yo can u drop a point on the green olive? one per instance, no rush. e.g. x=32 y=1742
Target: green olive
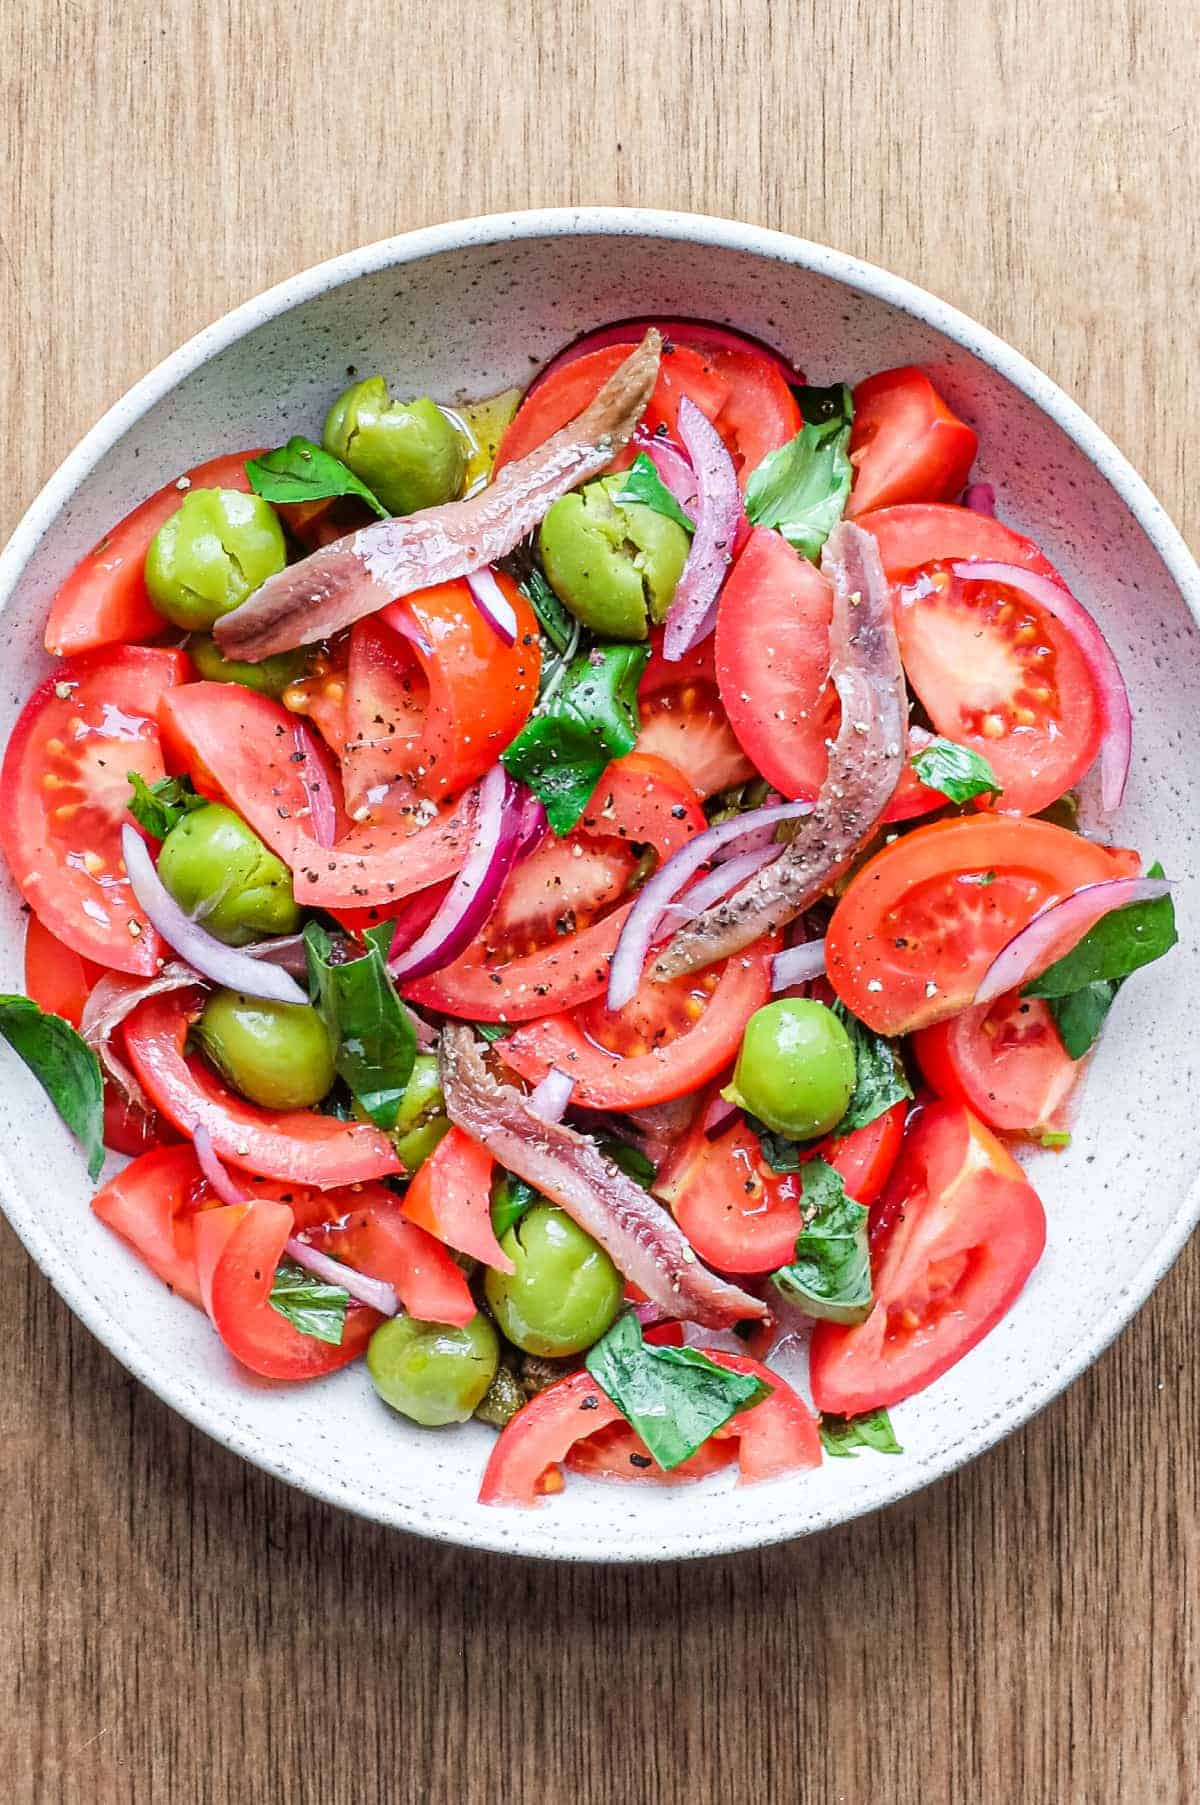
x=270 y=678
x=407 y=453
x=276 y=1054
x=219 y=871
x=216 y=549
x=613 y=564
x=565 y=1291
x=796 y=1068
x=431 y=1372
x=421 y=1121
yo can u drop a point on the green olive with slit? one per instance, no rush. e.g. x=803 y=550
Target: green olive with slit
x=276 y=1054
x=217 y=548
x=796 y=1068
x=219 y=872
x=565 y=1291
x=433 y=1372
x=613 y=563
x=270 y=678
x=407 y=452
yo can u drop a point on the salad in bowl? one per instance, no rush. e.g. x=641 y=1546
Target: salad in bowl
x=574 y=902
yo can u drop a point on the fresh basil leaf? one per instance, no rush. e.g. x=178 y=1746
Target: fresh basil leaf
x=158 y=807
x=309 y=1304
x=956 y=771
x=675 y=1397
x=830 y=1276
x=64 y=1065
x=781 y=1153
x=631 y=1160
x=802 y=488
x=842 y=1436
x=556 y=621
x=592 y=718
x=1119 y=944
x=493 y=1031
x=510 y=1199
x=1080 y=1016
x=372 y=1031
x=645 y=486
x=302 y=471
x=879 y=1076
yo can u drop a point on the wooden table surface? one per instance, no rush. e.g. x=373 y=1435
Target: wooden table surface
x=176 y=1627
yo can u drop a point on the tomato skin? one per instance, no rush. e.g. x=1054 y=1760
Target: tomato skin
x=104 y=600
x=865 y=1157
x=777 y=1436
x=524 y=1461
x=238 y=1248
x=65 y=789
x=152 y=1204
x=619 y=1453
x=906 y=445
x=684 y=720
x=375 y=1236
x=919 y=533
x=296 y=1146
x=738 y=1215
x=1003 y=1060
x=639 y=799
x=130 y=1129
x=915 y=931
x=772 y=662
x=450 y=1197
x=614 y=1079
x=56 y=977
x=965 y=1230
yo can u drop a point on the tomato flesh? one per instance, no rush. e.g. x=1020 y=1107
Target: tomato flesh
x=376 y=1237
x=738 y=1214
x=1005 y=1061
x=152 y=1204
x=906 y=445
x=450 y=1197
x=56 y=977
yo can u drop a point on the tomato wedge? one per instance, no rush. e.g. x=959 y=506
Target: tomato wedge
x=56 y=977
x=450 y=1197
x=913 y=935
x=966 y=1229
x=65 y=788
x=1005 y=1061
x=528 y=1453
x=906 y=444
x=685 y=722
x=548 y=945
x=104 y=601
x=375 y=1236
x=152 y=1205
x=238 y=1248
x=619 y=1453
x=298 y=1146
x=667 y=1041
x=772 y=655
x=864 y=1158
x=778 y=1436
x=738 y=1214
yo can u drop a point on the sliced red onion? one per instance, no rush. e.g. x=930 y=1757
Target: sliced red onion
x=718 y=511
x=1116 y=746
x=550 y=1098
x=980 y=498
x=375 y=1293
x=223 y=1185
x=675 y=472
x=473 y=894
x=110 y=1000
x=533 y=825
x=718 y=1116
x=1058 y=928
x=225 y=965
x=641 y=924
x=721 y=880
x=798 y=964
x=494 y=605
x=310 y=768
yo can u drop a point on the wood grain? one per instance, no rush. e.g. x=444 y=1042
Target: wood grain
x=175 y=1626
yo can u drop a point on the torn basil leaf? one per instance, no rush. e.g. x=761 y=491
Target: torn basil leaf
x=781 y=1153
x=879 y=1076
x=310 y=1304
x=510 y=1198
x=1080 y=988
x=675 y=1397
x=158 y=807
x=830 y=1276
x=64 y=1065
x=802 y=488
x=302 y=471
x=574 y=734
x=958 y=772
x=372 y=1032
x=556 y=622
x=843 y=1436
x=644 y=485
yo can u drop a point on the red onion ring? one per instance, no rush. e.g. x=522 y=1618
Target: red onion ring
x=222 y=1185
x=1116 y=746
x=224 y=965
x=675 y=473
x=641 y=924
x=798 y=964
x=533 y=824
x=980 y=498
x=1054 y=931
x=375 y=1293
x=549 y=1099
x=322 y=810
x=473 y=894
x=650 y=1314
x=718 y=512
x=493 y=604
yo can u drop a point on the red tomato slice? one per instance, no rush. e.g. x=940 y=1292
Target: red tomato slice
x=530 y=1449
x=1005 y=1061
x=152 y=1205
x=375 y=1236
x=238 y=1248
x=65 y=786
x=130 y=1129
x=864 y=1158
x=772 y=650
x=905 y=444
x=619 y=1453
x=104 y=600
x=548 y=946
x=450 y=1197
x=738 y=1214
x=966 y=1230
x=913 y=935
x=566 y=391
x=321 y=696
x=298 y=1146
x=778 y=1436
x=668 y=1040
x=684 y=721
x=56 y=977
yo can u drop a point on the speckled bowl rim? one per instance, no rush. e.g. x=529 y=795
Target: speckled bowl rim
x=692 y=1539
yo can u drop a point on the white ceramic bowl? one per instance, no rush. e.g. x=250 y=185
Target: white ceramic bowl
x=467 y=309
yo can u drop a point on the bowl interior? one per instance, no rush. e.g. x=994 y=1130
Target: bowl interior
x=467 y=319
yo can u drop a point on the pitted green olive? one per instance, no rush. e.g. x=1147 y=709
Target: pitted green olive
x=217 y=548
x=613 y=564
x=796 y=1068
x=276 y=1054
x=270 y=678
x=565 y=1291
x=430 y=1371
x=407 y=453
x=219 y=871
